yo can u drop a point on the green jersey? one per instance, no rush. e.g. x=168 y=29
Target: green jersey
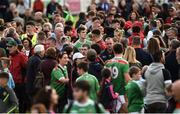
x=57 y=74
x=135 y=96
x=86 y=108
x=78 y=44
x=118 y=67
x=92 y=80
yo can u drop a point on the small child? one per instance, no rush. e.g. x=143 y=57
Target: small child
x=8 y=99
x=107 y=95
x=5 y=68
x=134 y=91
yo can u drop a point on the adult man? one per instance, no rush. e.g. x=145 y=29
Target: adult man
x=82 y=30
x=82 y=103
x=97 y=38
x=84 y=49
x=17 y=68
x=141 y=55
x=157 y=79
x=82 y=69
x=33 y=68
x=30 y=32
x=59 y=32
x=108 y=54
x=8 y=99
x=119 y=68
x=171 y=63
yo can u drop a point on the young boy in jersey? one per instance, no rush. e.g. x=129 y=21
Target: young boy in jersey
x=5 y=68
x=134 y=90
x=82 y=103
x=8 y=99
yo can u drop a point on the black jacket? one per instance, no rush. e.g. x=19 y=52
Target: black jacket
x=32 y=70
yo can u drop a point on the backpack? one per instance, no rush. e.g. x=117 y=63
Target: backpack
x=106 y=98
x=39 y=81
x=71 y=104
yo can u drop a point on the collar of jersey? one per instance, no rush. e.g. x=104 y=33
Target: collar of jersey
x=89 y=101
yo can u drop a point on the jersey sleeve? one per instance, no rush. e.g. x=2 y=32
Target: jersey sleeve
x=97 y=84
x=58 y=74
x=126 y=68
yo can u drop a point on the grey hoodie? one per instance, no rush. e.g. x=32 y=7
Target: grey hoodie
x=156 y=82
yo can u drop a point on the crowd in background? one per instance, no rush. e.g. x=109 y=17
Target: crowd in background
x=112 y=58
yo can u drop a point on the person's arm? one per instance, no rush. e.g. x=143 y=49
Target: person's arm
x=126 y=73
x=59 y=76
x=13 y=102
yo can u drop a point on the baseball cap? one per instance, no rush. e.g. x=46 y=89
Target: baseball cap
x=38 y=48
x=12 y=43
x=78 y=55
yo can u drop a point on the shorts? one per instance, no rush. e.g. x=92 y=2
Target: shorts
x=119 y=102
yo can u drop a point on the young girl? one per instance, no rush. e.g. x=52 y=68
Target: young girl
x=134 y=90
x=107 y=95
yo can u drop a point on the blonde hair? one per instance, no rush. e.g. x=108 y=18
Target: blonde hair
x=130 y=55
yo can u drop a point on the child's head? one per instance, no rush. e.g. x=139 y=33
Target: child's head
x=106 y=73
x=135 y=73
x=4 y=77
x=5 y=62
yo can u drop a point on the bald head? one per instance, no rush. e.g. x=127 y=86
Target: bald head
x=175 y=90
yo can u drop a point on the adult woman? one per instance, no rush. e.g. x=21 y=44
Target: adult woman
x=27 y=44
x=47 y=97
x=134 y=16
x=59 y=79
x=160 y=25
x=130 y=56
x=48 y=63
x=153 y=46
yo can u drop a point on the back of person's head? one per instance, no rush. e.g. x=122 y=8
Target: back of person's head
x=69 y=23
x=115 y=21
x=153 y=46
x=51 y=52
x=91 y=55
x=157 y=57
x=130 y=54
x=82 y=85
x=44 y=97
x=153 y=23
x=118 y=48
x=106 y=73
x=96 y=47
x=136 y=41
x=67 y=29
x=4 y=75
x=133 y=70
x=136 y=29
x=174 y=44
x=82 y=15
x=156 y=33
x=96 y=32
x=83 y=65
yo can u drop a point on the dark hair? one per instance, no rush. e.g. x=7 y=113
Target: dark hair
x=174 y=44
x=106 y=73
x=32 y=23
x=82 y=85
x=83 y=65
x=91 y=13
x=96 y=32
x=82 y=15
x=137 y=15
x=115 y=21
x=96 y=47
x=153 y=23
x=91 y=55
x=136 y=29
x=86 y=45
x=52 y=39
x=157 y=56
x=156 y=33
x=41 y=36
x=69 y=23
x=118 y=48
x=67 y=28
x=30 y=43
x=136 y=41
x=153 y=46
x=50 y=52
x=95 y=18
x=133 y=70
x=44 y=97
x=4 y=75
x=68 y=49
x=60 y=55
x=80 y=28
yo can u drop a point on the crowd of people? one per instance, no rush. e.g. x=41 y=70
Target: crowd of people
x=112 y=59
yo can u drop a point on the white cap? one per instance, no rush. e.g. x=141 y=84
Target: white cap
x=38 y=48
x=78 y=55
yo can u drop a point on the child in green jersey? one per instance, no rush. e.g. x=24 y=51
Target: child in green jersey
x=82 y=103
x=134 y=91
